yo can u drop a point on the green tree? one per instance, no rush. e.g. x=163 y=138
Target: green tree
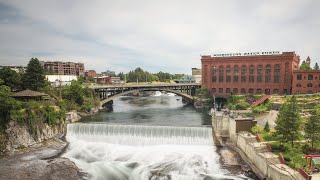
x=10 y=78
x=74 y=92
x=312 y=127
x=266 y=127
x=316 y=67
x=305 y=66
x=289 y=121
x=256 y=129
x=34 y=78
x=7 y=103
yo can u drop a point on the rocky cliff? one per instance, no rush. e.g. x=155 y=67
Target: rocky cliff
x=17 y=136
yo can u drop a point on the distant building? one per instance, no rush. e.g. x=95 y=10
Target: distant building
x=63 y=68
x=61 y=80
x=91 y=73
x=115 y=80
x=196 y=74
x=18 y=69
x=108 y=73
x=103 y=80
x=186 y=79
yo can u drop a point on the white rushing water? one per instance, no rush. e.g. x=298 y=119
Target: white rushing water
x=120 y=152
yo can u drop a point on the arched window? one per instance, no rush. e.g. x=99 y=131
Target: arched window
x=259 y=66
x=275 y=91
x=228 y=67
x=243 y=70
x=243 y=90
x=251 y=91
x=235 y=90
x=268 y=73
x=243 y=66
x=268 y=66
x=259 y=91
x=236 y=70
x=276 y=66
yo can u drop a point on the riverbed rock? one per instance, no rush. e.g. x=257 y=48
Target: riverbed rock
x=39 y=163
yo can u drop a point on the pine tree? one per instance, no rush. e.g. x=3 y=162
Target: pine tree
x=316 y=67
x=289 y=121
x=312 y=127
x=34 y=78
x=266 y=127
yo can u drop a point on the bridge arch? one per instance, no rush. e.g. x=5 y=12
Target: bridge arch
x=187 y=97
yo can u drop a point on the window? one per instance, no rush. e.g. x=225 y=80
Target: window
x=299 y=76
x=235 y=78
x=259 y=70
x=243 y=70
x=276 y=79
x=259 y=91
x=259 y=78
x=310 y=77
x=268 y=79
x=214 y=70
x=251 y=91
x=235 y=70
x=220 y=78
x=309 y=85
x=298 y=85
x=220 y=90
x=243 y=90
x=275 y=91
x=251 y=79
x=214 y=90
x=243 y=79
x=235 y=90
x=251 y=69
x=228 y=79
x=214 y=78
x=228 y=72
x=228 y=90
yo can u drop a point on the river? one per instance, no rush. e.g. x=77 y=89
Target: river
x=155 y=137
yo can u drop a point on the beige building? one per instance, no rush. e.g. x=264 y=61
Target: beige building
x=196 y=74
x=63 y=68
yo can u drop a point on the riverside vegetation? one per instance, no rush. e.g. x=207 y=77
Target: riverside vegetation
x=37 y=114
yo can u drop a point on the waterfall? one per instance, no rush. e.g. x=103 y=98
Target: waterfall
x=134 y=152
x=140 y=135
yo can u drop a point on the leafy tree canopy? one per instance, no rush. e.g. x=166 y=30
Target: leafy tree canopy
x=312 y=127
x=305 y=66
x=10 y=78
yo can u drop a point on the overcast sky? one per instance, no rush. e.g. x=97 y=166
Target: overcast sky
x=163 y=35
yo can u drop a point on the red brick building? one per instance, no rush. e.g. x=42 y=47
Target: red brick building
x=306 y=81
x=254 y=73
x=91 y=73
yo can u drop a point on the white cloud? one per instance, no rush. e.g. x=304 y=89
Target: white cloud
x=158 y=35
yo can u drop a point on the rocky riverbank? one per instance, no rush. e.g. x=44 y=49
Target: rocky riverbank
x=39 y=162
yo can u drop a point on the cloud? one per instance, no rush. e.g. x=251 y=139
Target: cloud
x=155 y=35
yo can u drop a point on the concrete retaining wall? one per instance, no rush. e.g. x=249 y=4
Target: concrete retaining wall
x=266 y=162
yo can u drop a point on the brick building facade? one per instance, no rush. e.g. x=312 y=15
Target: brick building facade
x=306 y=81
x=63 y=68
x=262 y=73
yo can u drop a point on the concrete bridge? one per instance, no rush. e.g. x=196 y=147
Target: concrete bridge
x=107 y=93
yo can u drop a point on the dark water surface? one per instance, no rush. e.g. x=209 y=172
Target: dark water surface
x=152 y=110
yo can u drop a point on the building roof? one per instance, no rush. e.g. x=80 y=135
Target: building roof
x=29 y=93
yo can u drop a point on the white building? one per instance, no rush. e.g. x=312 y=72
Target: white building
x=60 y=80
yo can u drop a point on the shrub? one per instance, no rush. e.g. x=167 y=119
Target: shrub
x=256 y=129
x=241 y=105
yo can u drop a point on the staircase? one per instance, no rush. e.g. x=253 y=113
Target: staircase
x=261 y=100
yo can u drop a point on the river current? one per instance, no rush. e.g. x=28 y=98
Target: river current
x=155 y=137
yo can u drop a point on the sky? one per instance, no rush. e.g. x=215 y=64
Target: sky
x=165 y=35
